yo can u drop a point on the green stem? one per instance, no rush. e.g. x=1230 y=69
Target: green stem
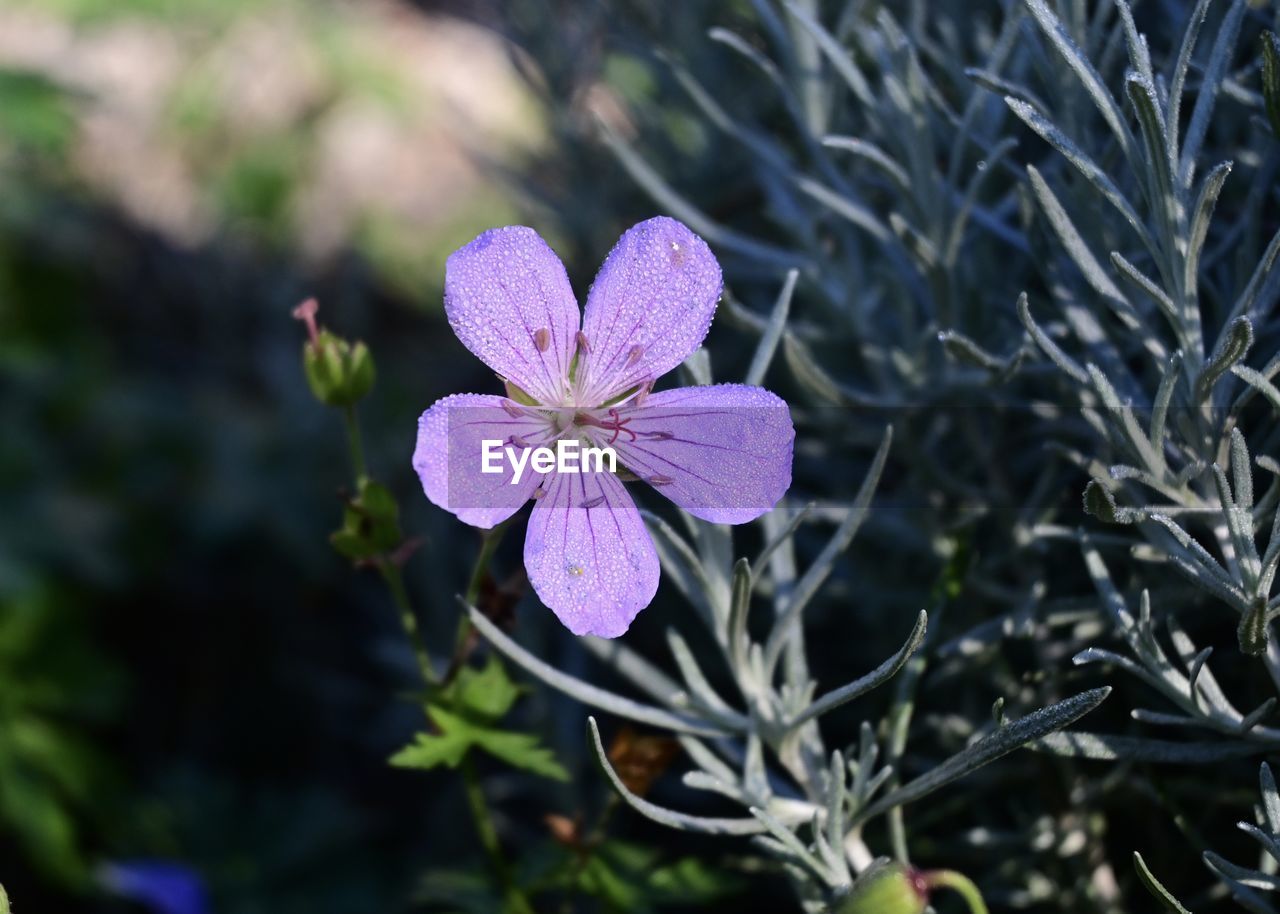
x=515 y=902
x=960 y=884
x=355 y=445
x=391 y=573
x=389 y=570
x=488 y=546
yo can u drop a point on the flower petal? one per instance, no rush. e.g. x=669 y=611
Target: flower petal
x=448 y=457
x=648 y=309
x=723 y=453
x=588 y=554
x=509 y=300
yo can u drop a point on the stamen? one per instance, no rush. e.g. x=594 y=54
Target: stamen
x=538 y=493
x=584 y=345
x=517 y=441
x=643 y=393
x=592 y=502
x=658 y=436
x=634 y=355
x=660 y=480
x=542 y=339
x=511 y=409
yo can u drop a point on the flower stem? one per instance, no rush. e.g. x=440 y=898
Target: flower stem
x=391 y=573
x=488 y=546
x=515 y=902
x=387 y=567
x=355 y=445
x=960 y=884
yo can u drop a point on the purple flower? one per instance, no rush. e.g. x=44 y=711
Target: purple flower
x=163 y=887
x=723 y=453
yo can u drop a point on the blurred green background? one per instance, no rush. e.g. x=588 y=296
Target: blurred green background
x=194 y=688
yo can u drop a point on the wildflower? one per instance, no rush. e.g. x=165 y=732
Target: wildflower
x=722 y=452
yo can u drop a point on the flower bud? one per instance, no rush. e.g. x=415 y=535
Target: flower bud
x=886 y=888
x=339 y=372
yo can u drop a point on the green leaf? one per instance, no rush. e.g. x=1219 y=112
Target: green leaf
x=457 y=735
x=465 y=715
x=487 y=693
x=4 y=901
x=431 y=750
x=370 y=523
x=1155 y=888
x=634 y=878
x=520 y=750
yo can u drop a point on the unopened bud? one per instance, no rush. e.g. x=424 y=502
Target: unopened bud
x=893 y=888
x=887 y=888
x=338 y=371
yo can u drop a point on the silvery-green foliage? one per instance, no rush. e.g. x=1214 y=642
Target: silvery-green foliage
x=1251 y=886
x=805 y=802
x=1041 y=236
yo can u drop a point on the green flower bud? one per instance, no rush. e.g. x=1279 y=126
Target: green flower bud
x=886 y=888
x=339 y=372
x=4 y=901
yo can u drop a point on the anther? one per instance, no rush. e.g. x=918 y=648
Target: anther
x=538 y=493
x=634 y=355
x=511 y=409
x=592 y=502
x=660 y=480
x=584 y=346
x=658 y=436
x=517 y=441
x=542 y=339
x=643 y=393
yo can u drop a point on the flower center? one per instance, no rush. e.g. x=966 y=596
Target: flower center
x=611 y=422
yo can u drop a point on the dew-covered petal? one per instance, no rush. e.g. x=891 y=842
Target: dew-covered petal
x=649 y=308
x=723 y=453
x=449 y=451
x=588 y=554
x=509 y=301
